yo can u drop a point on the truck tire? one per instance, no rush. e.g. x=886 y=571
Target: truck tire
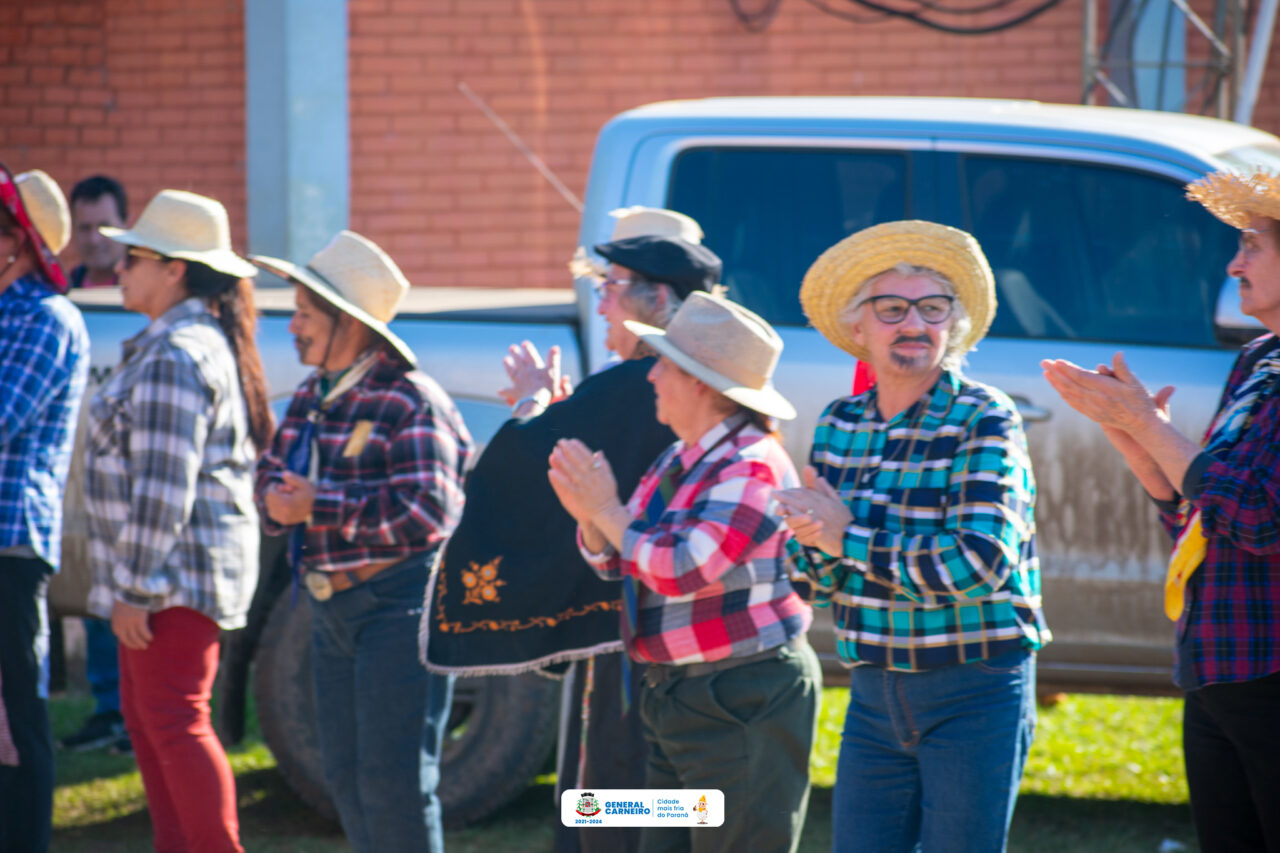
x=501 y=730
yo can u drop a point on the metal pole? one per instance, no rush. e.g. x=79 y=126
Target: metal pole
x=1259 y=47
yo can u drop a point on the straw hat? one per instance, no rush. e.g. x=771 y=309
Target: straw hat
x=37 y=204
x=839 y=271
x=1234 y=197
x=638 y=221
x=179 y=224
x=725 y=346
x=355 y=276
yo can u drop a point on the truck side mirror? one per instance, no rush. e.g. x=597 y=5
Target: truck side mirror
x=1231 y=325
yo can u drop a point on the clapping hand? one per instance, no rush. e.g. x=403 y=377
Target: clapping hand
x=529 y=374
x=816 y=514
x=582 y=480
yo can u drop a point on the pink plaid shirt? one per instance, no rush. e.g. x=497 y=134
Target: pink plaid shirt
x=712 y=571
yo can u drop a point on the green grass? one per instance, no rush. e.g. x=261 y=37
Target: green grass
x=1105 y=776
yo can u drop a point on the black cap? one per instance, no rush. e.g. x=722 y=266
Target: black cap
x=670 y=260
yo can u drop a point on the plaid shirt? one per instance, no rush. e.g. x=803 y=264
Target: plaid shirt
x=939 y=563
x=169 y=474
x=393 y=490
x=712 y=571
x=44 y=363
x=1230 y=628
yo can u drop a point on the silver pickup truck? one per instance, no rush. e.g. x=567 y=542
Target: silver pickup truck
x=1094 y=248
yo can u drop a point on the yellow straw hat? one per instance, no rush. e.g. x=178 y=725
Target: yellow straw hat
x=1234 y=197
x=839 y=271
x=47 y=207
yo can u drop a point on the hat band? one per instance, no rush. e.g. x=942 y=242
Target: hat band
x=716 y=360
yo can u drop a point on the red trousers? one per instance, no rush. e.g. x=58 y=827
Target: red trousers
x=164 y=695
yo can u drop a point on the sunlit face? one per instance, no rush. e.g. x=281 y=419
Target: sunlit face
x=149 y=283
x=312 y=328
x=912 y=347
x=675 y=393
x=615 y=308
x=1257 y=265
x=100 y=254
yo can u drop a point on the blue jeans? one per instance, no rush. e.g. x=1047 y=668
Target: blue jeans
x=932 y=760
x=101 y=666
x=380 y=716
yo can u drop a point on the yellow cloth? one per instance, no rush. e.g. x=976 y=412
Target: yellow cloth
x=1188 y=554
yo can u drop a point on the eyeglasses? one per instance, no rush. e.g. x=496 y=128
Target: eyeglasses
x=602 y=286
x=893 y=309
x=138 y=252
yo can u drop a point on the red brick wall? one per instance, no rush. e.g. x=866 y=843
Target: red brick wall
x=150 y=92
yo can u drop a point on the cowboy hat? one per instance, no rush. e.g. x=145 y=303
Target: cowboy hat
x=838 y=272
x=187 y=226
x=1234 y=197
x=40 y=209
x=725 y=346
x=355 y=276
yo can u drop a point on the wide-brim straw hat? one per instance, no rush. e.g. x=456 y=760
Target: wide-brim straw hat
x=725 y=346
x=40 y=209
x=355 y=276
x=1235 y=197
x=184 y=225
x=638 y=221
x=839 y=271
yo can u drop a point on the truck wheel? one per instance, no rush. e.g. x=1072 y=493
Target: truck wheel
x=501 y=729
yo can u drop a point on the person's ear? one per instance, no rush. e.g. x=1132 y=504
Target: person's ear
x=176 y=270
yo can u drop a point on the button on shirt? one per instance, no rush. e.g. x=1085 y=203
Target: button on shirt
x=712 y=571
x=392 y=453
x=44 y=363
x=939 y=564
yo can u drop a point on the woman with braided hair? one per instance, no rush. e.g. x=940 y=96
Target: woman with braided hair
x=173 y=531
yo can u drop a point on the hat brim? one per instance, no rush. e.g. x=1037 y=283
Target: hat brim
x=222 y=260
x=765 y=400
x=46 y=258
x=837 y=274
x=326 y=291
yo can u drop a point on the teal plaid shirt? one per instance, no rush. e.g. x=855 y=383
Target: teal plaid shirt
x=939 y=564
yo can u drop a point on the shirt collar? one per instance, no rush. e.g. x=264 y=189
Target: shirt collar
x=691 y=453
x=192 y=306
x=936 y=401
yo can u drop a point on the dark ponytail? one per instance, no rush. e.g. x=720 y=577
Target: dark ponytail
x=230 y=299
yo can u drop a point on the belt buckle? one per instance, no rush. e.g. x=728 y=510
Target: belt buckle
x=656 y=674
x=319 y=585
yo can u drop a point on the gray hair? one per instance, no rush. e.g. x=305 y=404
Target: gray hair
x=644 y=299
x=851 y=314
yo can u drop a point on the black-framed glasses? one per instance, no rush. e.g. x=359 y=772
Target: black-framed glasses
x=134 y=252
x=892 y=309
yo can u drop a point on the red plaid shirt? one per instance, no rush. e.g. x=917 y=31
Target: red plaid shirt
x=392 y=450
x=712 y=570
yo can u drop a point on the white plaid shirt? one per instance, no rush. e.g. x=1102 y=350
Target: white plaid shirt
x=169 y=475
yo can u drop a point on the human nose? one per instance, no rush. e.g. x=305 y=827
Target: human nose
x=1236 y=266
x=293 y=324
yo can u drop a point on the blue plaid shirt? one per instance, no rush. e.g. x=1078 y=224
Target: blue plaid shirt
x=939 y=564
x=44 y=362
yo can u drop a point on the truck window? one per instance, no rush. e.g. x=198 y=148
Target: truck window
x=769 y=212
x=1090 y=252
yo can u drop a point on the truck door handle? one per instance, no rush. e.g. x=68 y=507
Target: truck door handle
x=1030 y=412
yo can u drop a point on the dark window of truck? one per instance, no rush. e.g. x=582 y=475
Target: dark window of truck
x=1090 y=252
x=769 y=212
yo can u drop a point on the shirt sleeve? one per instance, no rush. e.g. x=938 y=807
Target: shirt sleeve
x=607 y=564
x=170 y=424
x=689 y=548
x=271 y=464
x=34 y=369
x=990 y=497
x=422 y=498
x=820 y=569
x=1238 y=493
